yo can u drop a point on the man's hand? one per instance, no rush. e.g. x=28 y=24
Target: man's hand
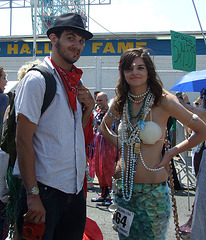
x=36 y=213
x=85 y=97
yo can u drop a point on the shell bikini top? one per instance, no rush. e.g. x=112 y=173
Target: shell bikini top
x=151 y=132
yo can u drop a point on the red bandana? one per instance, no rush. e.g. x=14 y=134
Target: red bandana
x=70 y=80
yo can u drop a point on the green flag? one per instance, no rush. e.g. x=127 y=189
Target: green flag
x=183 y=48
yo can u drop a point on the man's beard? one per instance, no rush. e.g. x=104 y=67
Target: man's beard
x=63 y=54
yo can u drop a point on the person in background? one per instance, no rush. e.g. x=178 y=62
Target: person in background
x=199 y=218
x=144 y=108
x=96 y=108
x=197 y=221
x=197 y=102
x=14 y=184
x=104 y=153
x=4 y=102
x=51 y=156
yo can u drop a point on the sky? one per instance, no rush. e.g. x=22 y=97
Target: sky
x=124 y=16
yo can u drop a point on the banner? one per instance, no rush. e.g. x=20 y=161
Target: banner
x=183 y=48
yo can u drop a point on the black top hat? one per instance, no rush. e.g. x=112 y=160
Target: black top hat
x=70 y=20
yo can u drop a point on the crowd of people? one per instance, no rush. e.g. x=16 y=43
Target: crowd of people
x=126 y=138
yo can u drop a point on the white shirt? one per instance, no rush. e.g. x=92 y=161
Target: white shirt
x=59 y=143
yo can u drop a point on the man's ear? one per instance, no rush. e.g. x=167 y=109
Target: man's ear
x=53 y=38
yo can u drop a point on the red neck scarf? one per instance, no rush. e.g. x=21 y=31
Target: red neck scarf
x=70 y=80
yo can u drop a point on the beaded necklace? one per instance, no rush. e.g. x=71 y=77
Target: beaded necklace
x=136 y=101
x=140 y=95
x=132 y=140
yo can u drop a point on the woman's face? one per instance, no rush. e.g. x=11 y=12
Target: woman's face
x=136 y=76
x=3 y=81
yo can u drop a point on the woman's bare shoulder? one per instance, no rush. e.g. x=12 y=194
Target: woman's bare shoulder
x=168 y=99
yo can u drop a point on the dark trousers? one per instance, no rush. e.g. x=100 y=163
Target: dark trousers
x=3 y=221
x=65 y=213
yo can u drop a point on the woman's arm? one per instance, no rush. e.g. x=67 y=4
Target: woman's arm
x=187 y=118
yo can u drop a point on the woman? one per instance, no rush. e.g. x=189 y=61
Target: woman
x=144 y=108
x=4 y=102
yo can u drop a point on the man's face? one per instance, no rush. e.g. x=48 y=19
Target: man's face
x=102 y=101
x=70 y=46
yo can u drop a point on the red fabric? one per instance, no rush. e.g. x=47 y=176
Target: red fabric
x=85 y=185
x=88 y=135
x=70 y=80
x=91 y=159
x=92 y=231
x=88 y=131
x=104 y=158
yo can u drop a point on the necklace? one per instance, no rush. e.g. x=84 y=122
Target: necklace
x=136 y=101
x=130 y=109
x=140 y=95
x=132 y=141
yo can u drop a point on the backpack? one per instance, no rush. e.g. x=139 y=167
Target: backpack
x=8 y=143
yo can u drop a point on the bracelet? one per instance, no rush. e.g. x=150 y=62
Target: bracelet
x=111 y=115
x=193 y=118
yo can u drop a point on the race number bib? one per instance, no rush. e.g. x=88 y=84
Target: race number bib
x=122 y=219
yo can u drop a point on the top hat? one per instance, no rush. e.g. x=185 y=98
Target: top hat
x=70 y=20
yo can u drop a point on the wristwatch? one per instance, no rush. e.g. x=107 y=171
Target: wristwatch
x=33 y=191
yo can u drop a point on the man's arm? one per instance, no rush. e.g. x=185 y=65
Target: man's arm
x=25 y=151
x=85 y=97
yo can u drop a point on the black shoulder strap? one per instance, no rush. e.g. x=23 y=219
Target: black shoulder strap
x=50 y=85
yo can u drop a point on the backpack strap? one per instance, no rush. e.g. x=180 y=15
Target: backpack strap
x=50 y=85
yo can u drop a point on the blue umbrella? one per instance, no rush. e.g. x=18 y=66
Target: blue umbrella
x=192 y=82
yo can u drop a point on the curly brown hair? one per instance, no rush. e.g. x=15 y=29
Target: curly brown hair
x=122 y=86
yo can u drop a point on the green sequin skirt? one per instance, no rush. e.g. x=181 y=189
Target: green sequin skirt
x=151 y=205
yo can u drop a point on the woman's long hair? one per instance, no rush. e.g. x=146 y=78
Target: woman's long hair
x=1 y=72
x=122 y=86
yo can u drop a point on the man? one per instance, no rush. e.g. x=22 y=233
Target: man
x=51 y=147
x=104 y=153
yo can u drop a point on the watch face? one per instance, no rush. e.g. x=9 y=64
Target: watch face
x=35 y=190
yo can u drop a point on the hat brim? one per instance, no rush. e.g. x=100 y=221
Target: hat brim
x=86 y=34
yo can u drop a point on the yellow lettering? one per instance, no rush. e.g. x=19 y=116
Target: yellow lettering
x=46 y=48
x=38 y=51
x=13 y=49
x=140 y=44
x=121 y=47
x=25 y=49
x=96 y=46
x=109 y=48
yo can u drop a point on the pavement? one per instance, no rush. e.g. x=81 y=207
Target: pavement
x=184 y=200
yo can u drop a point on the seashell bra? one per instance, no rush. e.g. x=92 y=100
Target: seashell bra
x=150 y=132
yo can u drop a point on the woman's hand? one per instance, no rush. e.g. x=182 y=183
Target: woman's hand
x=165 y=161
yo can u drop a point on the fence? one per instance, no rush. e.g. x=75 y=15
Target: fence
x=101 y=73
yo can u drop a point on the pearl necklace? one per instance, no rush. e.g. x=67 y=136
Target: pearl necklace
x=132 y=140
x=150 y=169
x=140 y=95
x=136 y=101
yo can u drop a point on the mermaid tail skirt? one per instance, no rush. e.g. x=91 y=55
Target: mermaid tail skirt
x=152 y=208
